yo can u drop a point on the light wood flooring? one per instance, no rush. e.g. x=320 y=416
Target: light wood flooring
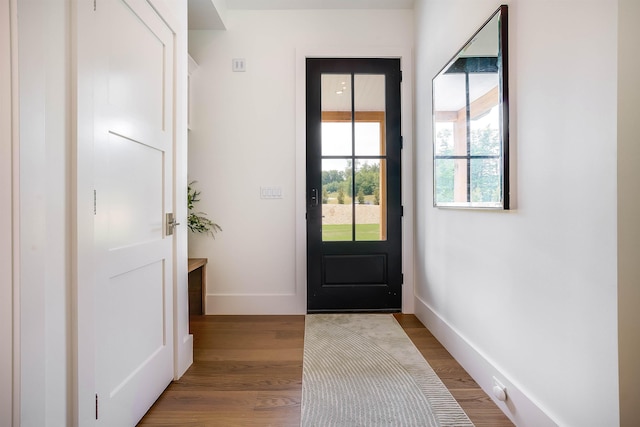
x=247 y=372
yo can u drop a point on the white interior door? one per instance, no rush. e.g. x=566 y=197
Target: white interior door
x=133 y=175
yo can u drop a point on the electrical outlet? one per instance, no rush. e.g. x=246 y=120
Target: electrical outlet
x=499 y=390
x=238 y=65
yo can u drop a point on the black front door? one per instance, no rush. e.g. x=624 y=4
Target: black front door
x=354 y=212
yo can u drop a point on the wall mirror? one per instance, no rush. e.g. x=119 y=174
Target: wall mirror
x=471 y=122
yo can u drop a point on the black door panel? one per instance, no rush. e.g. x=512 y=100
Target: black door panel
x=354 y=213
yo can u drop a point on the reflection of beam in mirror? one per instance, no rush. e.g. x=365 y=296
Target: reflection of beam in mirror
x=484 y=91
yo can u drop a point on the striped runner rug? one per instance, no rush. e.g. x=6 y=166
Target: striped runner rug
x=363 y=370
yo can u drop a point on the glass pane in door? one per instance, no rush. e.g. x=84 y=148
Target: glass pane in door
x=369 y=107
x=336 y=138
x=370 y=200
x=337 y=209
x=337 y=130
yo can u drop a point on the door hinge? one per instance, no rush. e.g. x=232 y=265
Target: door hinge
x=401 y=210
x=402 y=278
x=96 y=406
x=400 y=76
x=401 y=142
x=95 y=203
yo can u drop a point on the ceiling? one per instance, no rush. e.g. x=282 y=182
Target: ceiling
x=208 y=14
x=205 y=15
x=320 y=4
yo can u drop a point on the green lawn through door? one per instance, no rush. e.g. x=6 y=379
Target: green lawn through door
x=342 y=232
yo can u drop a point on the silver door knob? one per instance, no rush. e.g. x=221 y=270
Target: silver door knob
x=171 y=224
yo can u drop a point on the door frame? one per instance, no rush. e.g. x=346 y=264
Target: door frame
x=406 y=65
x=9 y=219
x=82 y=182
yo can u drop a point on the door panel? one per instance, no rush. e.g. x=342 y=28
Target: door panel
x=135 y=211
x=136 y=70
x=133 y=172
x=353 y=185
x=368 y=269
x=129 y=349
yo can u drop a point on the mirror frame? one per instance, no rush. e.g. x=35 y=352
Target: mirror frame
x=502 y=62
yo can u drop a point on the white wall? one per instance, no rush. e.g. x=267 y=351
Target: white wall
x=43 y=38
x=530 y=295
x=244 y=136
x=628 y=212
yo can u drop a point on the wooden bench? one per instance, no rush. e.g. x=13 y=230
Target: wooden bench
x=197 y=285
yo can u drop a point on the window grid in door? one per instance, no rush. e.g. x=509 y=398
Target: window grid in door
x=353 y=157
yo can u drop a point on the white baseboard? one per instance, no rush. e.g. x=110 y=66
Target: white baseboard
x=519 y=407
x=248 y=304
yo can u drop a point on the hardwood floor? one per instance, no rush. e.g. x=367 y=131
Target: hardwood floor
x=475 y=402
x=247 y=372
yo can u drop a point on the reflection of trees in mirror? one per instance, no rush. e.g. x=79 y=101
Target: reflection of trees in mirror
x=445 y=180
x=198 y=221
x=444 y=141
x=485 y=181
x=336 y=185
x=485 y=173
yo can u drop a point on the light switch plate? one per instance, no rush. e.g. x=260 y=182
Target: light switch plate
x=271 y=192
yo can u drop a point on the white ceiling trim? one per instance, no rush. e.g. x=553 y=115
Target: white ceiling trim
x=205 y=15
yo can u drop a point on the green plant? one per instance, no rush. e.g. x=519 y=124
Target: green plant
x=198 y=221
